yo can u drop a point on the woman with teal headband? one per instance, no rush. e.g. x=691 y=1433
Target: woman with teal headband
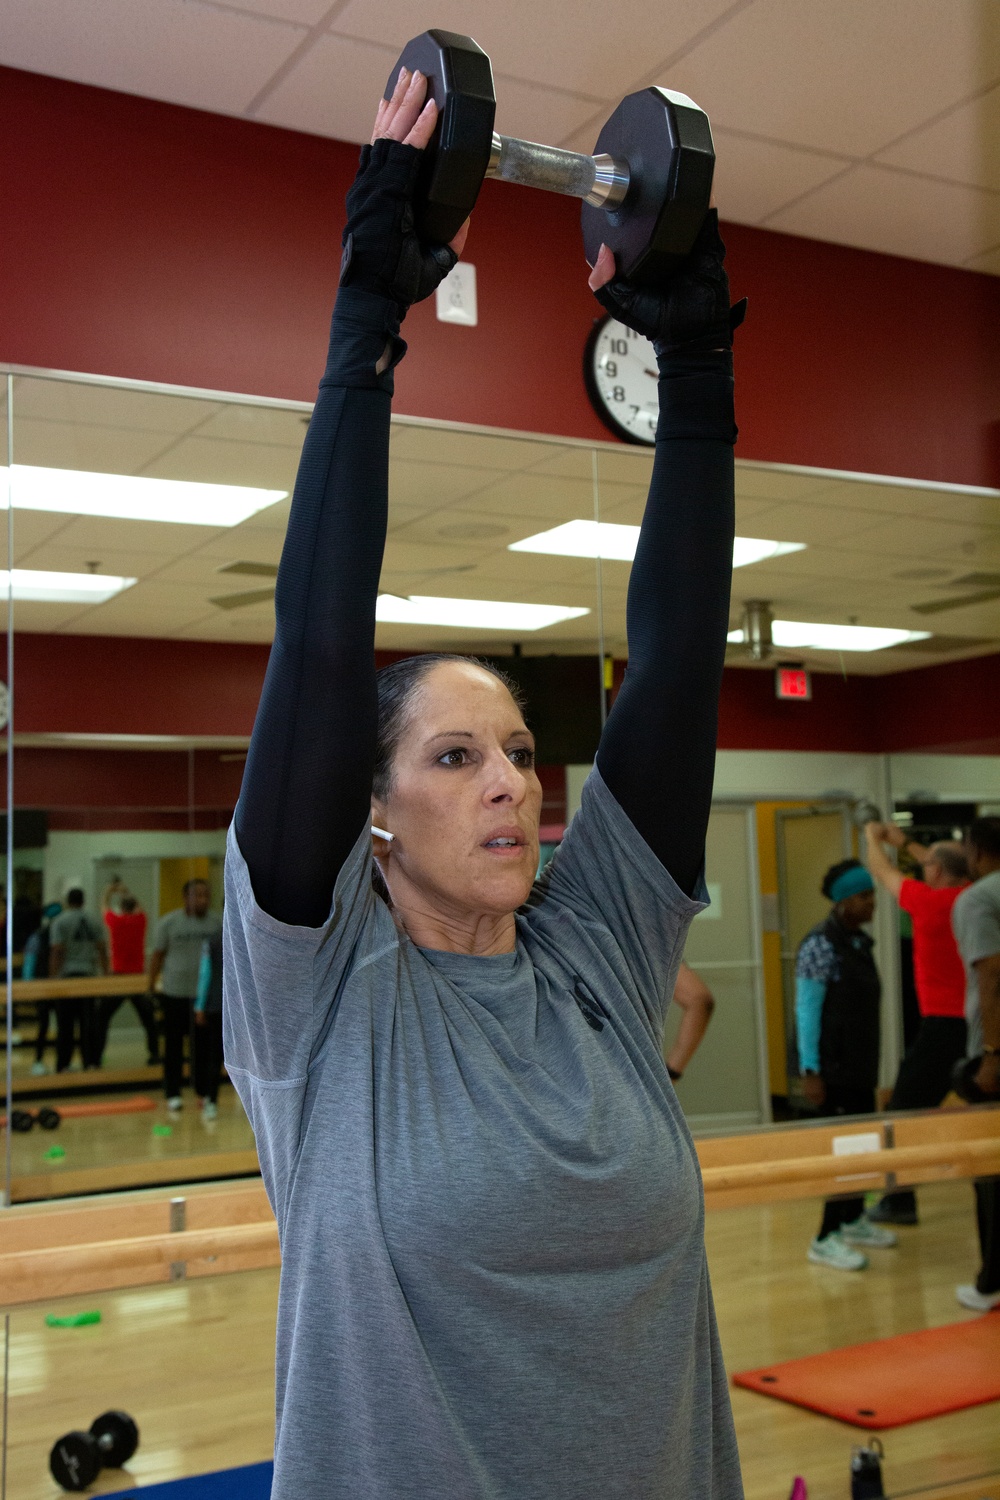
x=837 y=996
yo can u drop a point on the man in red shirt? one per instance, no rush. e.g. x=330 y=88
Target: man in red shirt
x=126 y=924
x=939 y=977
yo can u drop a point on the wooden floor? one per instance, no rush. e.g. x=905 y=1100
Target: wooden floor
x=107 y=1152
x=193 y=1362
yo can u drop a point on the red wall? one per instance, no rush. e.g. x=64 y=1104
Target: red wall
x=147 y=240
x=115 y=685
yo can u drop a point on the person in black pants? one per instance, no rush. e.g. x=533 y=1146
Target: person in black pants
x=924 y=1076
x=206 y=1039
x=837 y=995
x=176 y=957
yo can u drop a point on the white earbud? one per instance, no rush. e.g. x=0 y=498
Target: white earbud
x=380 y=833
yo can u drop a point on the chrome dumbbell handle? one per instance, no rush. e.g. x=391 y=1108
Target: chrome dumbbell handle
x=602 y=181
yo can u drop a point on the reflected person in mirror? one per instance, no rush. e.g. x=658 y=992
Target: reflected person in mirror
x=837 y=998
x=493 y=1280
x=924 y=1076
x=177 y=948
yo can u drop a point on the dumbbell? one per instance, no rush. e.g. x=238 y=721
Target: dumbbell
x=645 y=190
x=78 y=1458
x=22 y=1120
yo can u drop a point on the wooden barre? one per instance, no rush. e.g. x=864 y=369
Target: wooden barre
x=57 y=1270
x=27 y=1275
x=80 y=988
x=973 y=1158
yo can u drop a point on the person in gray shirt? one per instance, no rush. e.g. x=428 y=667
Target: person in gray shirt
x=77 y=950
x=176 y=957
x=975 y=921
x=494 y=1283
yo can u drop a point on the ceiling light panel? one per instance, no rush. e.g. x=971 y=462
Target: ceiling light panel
x=470 y=614
x=126 y=497
x=806 y=635
x=616 y=543
x=63 y=588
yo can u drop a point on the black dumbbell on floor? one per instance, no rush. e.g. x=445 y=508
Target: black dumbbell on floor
x=23 y=1120
x=645 y=191
x=78 y=1458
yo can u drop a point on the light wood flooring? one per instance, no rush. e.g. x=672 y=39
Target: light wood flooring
x=193 y=1361
x=107 y=1152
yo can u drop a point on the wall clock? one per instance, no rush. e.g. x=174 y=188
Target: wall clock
x=620 y=371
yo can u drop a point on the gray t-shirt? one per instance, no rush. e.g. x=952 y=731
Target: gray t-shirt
x=975 y=920
x=493 y=1280
x=82 y=937
x=182 y=937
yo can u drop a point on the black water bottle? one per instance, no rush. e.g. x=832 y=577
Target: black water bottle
x=866 y=1472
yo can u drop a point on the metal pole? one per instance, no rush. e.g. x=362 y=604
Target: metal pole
x=8 y=1161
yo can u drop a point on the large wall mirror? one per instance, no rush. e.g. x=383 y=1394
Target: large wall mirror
x=147 y=526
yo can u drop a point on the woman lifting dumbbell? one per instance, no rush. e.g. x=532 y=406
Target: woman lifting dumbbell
x=493 y=1267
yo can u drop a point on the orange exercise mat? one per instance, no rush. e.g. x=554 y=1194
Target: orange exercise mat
x=892 y=1381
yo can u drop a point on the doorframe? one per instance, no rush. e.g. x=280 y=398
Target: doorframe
x=756 y=962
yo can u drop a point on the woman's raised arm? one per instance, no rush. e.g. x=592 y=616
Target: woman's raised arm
x=657 y=752
x=307 y=786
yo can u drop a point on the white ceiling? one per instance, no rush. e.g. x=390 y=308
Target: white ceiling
x=875 y=548
x=873 y=123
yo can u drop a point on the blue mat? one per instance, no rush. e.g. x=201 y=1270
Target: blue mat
x=250 y=1483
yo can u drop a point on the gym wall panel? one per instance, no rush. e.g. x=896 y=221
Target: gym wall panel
x=163 y=243
x=132 y=685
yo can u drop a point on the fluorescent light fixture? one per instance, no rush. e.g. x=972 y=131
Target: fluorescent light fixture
x=609 y=540
x=470 y=614
x=126 y=497
x=754 y=549
x=803 y=634
x=63 y=588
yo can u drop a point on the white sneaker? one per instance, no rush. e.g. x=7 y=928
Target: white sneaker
x=977 y=1301
x=833 y=1252
x=209 y=1111
x=863 y=1232
x=38 y=1069
x=175 y=1103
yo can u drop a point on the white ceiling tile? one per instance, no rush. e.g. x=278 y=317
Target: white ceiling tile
x=108 y=406
x=964 y=146
x=33 y=528
x=757 y=481
x=559 y=43
x=257 y=424
x=428 y=444
x=848 y=77
x=240 y=545
x=75 y=445
x=753 y=178
x=303 y=12
x=334 y=89
x=218 y=461
x=802 y=522
x=205 y=56
x=879 y=208
x=95 y=535
x=988 y=262
x=535 y=113
x=120 y=564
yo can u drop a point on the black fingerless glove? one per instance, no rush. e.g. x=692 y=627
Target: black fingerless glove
x=382 y=252
x=690 y=313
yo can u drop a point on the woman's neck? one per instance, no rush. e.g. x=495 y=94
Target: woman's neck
x=480 y=935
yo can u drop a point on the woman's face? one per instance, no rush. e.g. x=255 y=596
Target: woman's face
x=465 y=802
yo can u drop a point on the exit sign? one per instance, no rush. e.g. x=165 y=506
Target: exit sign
x=792 y=682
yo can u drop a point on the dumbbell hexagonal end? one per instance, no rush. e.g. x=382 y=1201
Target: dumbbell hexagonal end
x=460 y=81
x=667 y=141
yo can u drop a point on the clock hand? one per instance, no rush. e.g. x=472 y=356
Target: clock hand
x=653 y=374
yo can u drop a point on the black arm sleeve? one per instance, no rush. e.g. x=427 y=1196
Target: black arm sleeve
x=657 y=752
x=307 y=786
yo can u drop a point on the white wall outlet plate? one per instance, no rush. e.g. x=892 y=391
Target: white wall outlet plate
x=456 y=296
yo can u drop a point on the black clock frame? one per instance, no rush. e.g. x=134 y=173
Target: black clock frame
x=596 y=399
